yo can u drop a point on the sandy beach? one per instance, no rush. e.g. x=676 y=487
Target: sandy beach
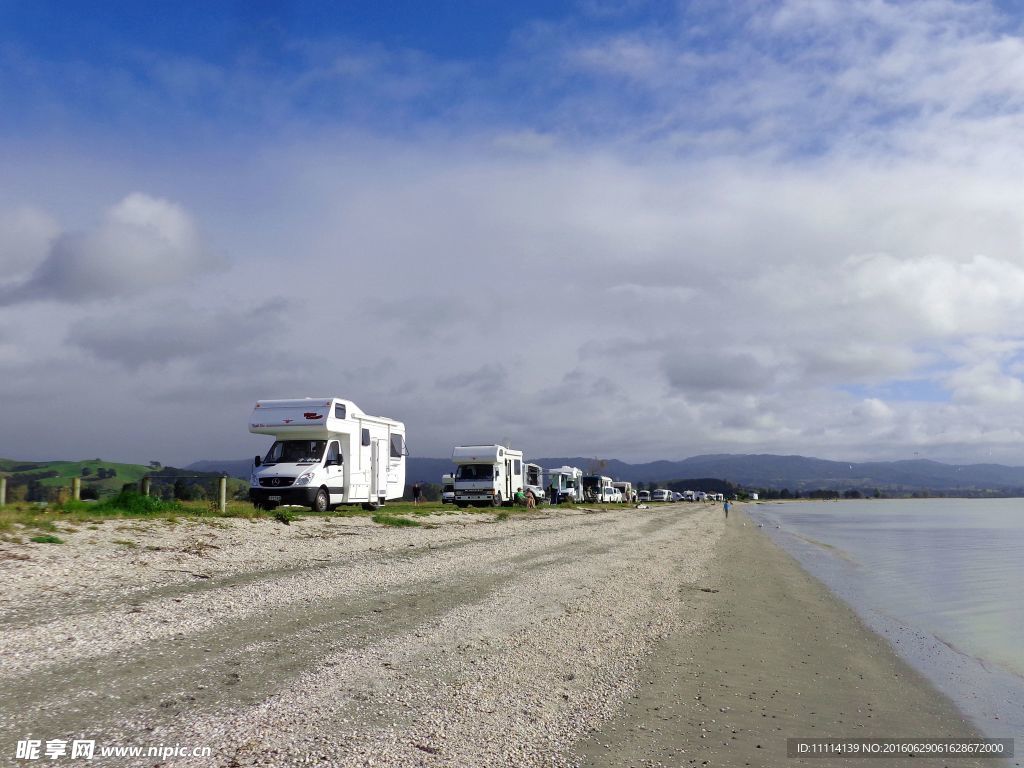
x=776 y=656
x=653 y=637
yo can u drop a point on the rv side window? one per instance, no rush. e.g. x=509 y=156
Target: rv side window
x=397 y=447
x=366 y=437
x=517 y=467
x=339 y=410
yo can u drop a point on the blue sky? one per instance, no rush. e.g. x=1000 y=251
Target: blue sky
x=635 y=230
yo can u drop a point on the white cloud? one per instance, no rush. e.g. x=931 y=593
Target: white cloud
x=142 y=242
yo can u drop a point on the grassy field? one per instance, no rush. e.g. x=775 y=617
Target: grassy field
x=34 y=520
x=102 y=479
x=105 y=478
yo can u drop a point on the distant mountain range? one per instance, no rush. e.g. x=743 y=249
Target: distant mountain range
x=751 y=471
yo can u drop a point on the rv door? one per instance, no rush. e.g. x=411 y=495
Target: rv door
x=378 y=469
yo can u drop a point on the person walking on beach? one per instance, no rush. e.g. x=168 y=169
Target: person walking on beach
x=553 y=492
x=417 y=492
x=725 y=506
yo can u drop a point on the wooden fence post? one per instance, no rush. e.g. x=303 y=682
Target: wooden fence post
x=144 y=484
x=76 y=488
x=3 y=491
x=222 y=493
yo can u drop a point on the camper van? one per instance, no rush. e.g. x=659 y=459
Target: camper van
x=535 y=482
x=487 y=475
x=568 y=483
x=594 y=488
x=447 y=489
x=326 y=452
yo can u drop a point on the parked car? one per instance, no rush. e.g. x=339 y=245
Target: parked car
x=611 y=494
x=643 y=496
x=626 y=489
x=660 y=494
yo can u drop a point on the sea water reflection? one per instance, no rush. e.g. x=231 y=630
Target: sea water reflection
x=943 y=579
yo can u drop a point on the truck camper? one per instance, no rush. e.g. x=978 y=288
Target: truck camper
x=487 y=475
x=326 y=452
x=568 y=483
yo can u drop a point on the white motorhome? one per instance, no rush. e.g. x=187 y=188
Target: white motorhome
x=568 y=483
x=487 y=475
x=535 y=482
x=448 y=489
x=326 y=452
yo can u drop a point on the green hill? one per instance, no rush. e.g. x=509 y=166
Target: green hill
x=43 y=480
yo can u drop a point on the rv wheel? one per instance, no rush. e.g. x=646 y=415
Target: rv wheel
x=371 y=506
x=321 y=502
x=496 y=500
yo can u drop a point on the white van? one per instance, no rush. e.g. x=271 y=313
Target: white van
x=660 y=494
x=487 y=475
x=326 y=452
x=611 y=494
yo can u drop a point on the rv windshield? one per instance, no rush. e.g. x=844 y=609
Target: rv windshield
x=475 y=472
x=295 y=452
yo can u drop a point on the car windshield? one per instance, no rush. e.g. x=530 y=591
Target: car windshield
x=295 y=452
x=475 y=472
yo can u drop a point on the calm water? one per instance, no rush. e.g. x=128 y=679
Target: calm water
x=942 y=579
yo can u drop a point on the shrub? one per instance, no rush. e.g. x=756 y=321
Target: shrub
x=284 y=516
x=132 y=503
x=382 y=519
x=47 y=538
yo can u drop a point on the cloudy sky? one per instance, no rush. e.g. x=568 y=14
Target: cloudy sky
x=622 y=229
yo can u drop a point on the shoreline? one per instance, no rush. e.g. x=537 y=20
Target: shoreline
x=777 y=656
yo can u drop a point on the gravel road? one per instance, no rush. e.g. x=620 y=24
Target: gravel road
x=471 y=641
